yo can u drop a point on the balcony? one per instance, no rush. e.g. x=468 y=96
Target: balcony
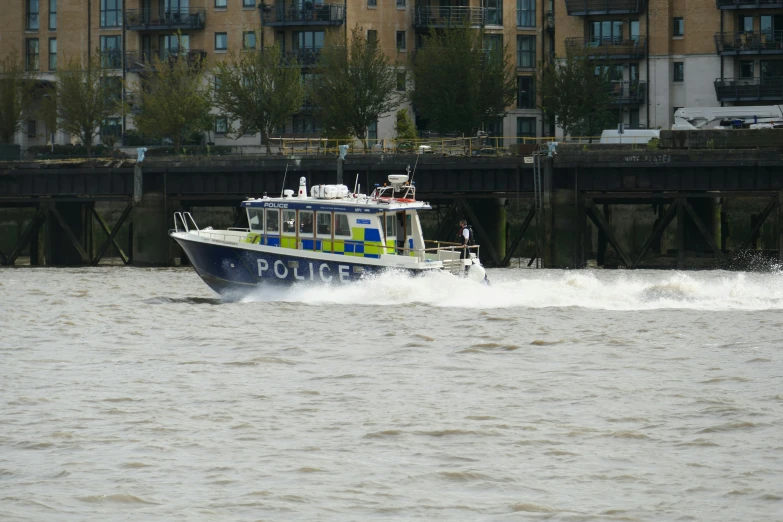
x=319 y=14
x=446 y=17
x=140 y=61
x=302 y=57
x=605 y=7
x=611 y=48
x=111 y=59
x=628 y=93
x=165 y=19
x=749 y=42
x=749 y=89
x=749 y=4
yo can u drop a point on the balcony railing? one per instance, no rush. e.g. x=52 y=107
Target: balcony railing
x=749 y=89
x=302 y=57
x=605 y=7
x=445 y=17
x=610 y=48
x=165 y=19
x=748 y=4
x=749 y=42
x=628 y=93
x=319 y=14
x=111 y=59
x=138 y=61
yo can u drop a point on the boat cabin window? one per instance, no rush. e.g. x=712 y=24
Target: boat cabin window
x=341 y=226
x=393 y=221
x=306 y=216
x=255 y=219
x=324 y=223
x=289 y=221
x=273 y=221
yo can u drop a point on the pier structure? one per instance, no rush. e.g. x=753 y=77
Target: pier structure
x=575 y=213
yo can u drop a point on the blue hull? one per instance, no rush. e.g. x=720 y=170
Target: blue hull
x=233 y=270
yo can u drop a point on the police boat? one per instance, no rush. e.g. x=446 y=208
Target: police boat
x=330 y=236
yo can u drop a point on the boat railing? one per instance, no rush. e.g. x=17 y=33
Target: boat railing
x=182 y=218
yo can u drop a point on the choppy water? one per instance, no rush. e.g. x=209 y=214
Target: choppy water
x=130 y=394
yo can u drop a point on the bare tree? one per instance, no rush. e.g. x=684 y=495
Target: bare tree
x=15 y=95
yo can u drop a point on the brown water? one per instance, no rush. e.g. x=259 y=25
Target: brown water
x=130 y=394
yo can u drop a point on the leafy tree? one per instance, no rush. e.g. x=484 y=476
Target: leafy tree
x=576 y=93
x=174 y=99
x=15 y=95
x=353 y=86
x=259 y=90
x=83 y=98
x=403 y=127
x=459 y=85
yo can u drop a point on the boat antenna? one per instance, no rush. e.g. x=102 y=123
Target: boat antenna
x=284 y=175
x=414 y=168
x=356 y=184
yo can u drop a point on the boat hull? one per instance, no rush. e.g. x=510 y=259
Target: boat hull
x=232 y=269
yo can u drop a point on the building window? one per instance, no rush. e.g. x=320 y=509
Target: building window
x=372 y=3
x=526 y=92
x=372 y=132
x=111 y=127
x=112 y=86
x=634 y=31
x=110 y=52
x=52 y=54
x=526 y=128
x=679 y=71
x=679 y=26
x=526 y=52
x=220 y=4
x=221 y=41
x=400 y=4
x=31 y=130
x=32 y=15
x=221 y=125
x=248 y=3
x=746 y=69
x=526 y=13
x=372 y=37
x=31 y=54
x=494 y=9
x=249 y=40
x=401 y=80
x=304 y=124
x=52 y=15
x=606 y=32
x=633 y=118
x=400 y=40
x=111 y=13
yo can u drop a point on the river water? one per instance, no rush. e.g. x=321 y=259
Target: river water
x=134 y=394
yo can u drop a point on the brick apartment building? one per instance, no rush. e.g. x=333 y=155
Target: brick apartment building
x=667 y=54
x=661 y=54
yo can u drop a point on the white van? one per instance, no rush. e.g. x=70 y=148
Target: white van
x=639 y=136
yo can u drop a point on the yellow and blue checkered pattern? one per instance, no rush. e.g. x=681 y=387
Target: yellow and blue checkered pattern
x=364 y=242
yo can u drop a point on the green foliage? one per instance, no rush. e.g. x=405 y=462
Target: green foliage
x=403 y=126
x=353 y=87
x=572 y=93
x=83 y=98
x=174 y=100
x=459 y=86
x=15 y=95
x=259 y=90
x=190 y=150
x=653 y=144
x=67 y=151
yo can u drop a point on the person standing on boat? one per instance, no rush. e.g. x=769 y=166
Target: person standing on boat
x=464 y=239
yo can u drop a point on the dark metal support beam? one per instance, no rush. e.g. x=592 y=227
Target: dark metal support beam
x=3 y=258
x=71 y=236
x=760 y=222
x=449 y=222
x=598 y=218
x=24 y=239
x=656 y=234
x=680 y=236
x=112 y=233
x=704 y=232
x=518 y=239
x=486 y=241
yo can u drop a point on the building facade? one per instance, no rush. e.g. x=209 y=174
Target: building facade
x=129 y=33
x=665 y=54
